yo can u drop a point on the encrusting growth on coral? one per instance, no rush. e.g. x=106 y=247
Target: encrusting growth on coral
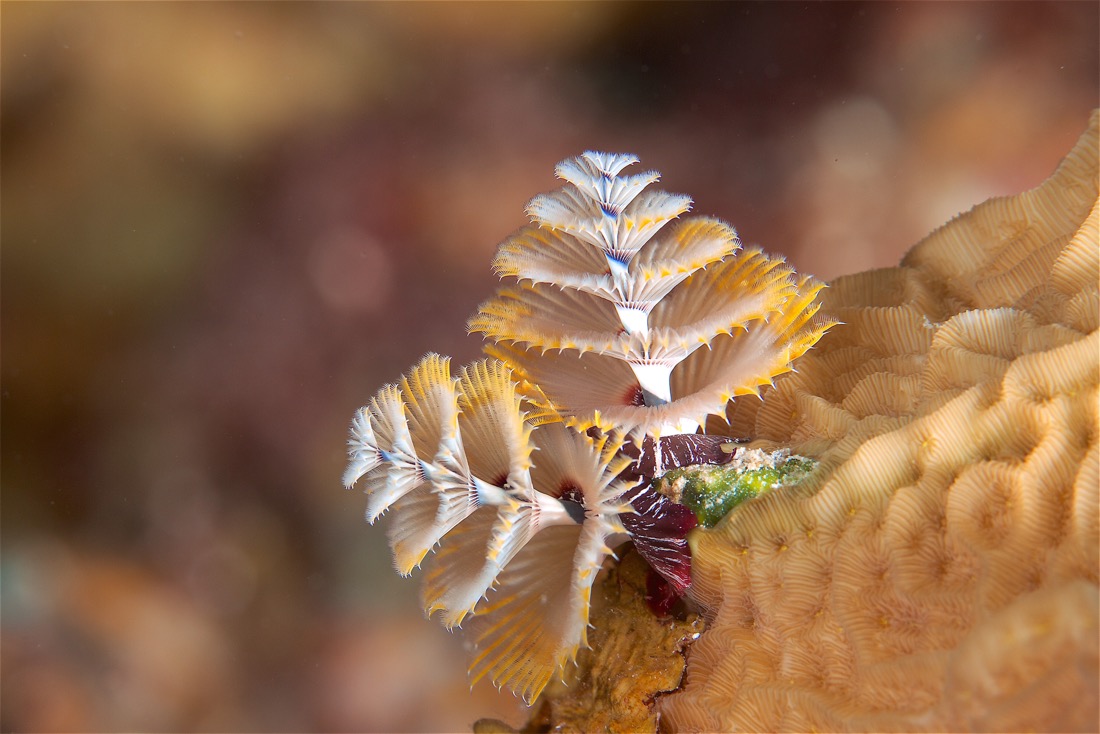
x=615 y=336
x=712 y=490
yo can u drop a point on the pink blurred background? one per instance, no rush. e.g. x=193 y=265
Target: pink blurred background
x=226 y=225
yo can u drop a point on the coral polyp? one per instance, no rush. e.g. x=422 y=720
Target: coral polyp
x=620 y=331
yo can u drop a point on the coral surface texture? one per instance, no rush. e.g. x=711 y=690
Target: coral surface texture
x=938 y=570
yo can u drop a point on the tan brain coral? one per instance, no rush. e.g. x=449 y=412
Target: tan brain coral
x=939 y=571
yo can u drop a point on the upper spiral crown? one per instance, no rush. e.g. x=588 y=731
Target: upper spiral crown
x=606 y=309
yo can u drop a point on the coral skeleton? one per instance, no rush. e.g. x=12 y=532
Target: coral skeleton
x=618 y=334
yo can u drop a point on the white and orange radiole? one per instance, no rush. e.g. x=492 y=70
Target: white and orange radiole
x=613 y=328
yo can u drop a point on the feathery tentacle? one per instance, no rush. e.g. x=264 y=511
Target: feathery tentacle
x=621 y=323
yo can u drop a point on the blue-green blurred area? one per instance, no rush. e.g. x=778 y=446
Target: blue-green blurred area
x=224 y=226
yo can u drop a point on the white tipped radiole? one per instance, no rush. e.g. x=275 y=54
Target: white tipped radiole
x=601 y=274
x=452 y=458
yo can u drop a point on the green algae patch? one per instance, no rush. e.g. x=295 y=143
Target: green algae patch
x=711 y=491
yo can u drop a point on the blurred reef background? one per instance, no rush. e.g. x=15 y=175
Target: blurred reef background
x=226 y=225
